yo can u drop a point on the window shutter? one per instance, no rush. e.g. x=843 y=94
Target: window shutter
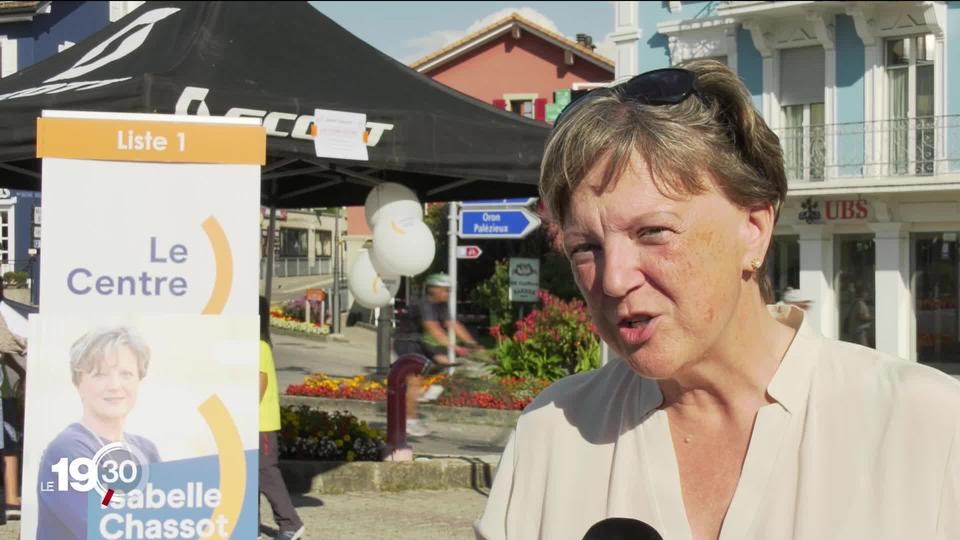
x=540 y=109
x=801 y=76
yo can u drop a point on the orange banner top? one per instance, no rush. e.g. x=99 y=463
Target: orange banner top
x=139 y=140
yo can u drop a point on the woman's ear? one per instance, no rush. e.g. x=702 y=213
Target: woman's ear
x=758 y=230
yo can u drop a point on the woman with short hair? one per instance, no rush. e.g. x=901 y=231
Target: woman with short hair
x=107 y=366
x=725 y=417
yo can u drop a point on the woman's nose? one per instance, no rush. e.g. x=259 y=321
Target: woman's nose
x=620 y=272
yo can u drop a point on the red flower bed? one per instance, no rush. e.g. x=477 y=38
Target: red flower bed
x=483 y=400
x=340 y=393
x=507 y=393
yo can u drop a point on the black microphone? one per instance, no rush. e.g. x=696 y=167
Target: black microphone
x=620 y=528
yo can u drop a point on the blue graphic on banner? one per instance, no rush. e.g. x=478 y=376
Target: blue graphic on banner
x=178 y=502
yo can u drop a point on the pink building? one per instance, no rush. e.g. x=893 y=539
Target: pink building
x=513 y=64
x=518 y=65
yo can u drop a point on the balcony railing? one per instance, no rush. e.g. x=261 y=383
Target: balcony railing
x=905 y=147
x=298 y=266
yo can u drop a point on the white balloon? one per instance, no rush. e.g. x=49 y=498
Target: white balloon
x=370 y=288
x=403 y=247
x=390 y=200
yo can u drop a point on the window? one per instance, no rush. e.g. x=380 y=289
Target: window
x=5 y=226
x=909 y=66
x=523 y=107
x=804 y=146
x=801 y=95
x=854 y=284
x=263 y=242
x=293 y=242
x=934 y=286
x=8 y=56
x=324 y=247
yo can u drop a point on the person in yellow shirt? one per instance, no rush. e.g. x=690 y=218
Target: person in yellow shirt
x=271 y=482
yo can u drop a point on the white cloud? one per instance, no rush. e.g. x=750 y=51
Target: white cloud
x=424 y=45
x=606 y=47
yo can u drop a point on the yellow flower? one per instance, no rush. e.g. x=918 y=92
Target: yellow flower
x=346 y=437
x=350 y=456
x=339 y=443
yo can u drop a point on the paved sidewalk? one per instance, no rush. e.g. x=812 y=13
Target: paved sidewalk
x=411 y=515
x=296 y=357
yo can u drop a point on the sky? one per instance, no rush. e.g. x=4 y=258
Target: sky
x=407 y=31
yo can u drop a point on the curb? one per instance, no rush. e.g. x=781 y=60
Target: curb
x=314 y=337
x=336 y=477
x=432 y=413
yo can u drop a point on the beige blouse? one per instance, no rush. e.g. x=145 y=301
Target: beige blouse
x=857 y=445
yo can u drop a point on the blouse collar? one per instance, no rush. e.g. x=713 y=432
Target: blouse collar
x=790 y=385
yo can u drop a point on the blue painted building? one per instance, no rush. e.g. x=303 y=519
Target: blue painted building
x=865 y=97
x=30 y=32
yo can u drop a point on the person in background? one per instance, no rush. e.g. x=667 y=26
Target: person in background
x=423 y=331
x=859 y=317
x=793 y=297
x=12 y=349
x=289 y=524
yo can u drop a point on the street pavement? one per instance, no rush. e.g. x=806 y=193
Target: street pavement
x=408 y=515
x=297 y=357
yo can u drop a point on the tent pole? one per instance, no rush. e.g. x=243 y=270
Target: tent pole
x=270 y=231
x=336 y=273
x=452 y=229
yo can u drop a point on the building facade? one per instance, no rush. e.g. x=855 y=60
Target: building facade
x=31 y=32
x=519 y=66
x=865 y=97
x=303 y=242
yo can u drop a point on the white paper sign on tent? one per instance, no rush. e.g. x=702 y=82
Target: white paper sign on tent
x=340 y=135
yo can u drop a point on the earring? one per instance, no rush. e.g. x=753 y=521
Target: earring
x=756 y=263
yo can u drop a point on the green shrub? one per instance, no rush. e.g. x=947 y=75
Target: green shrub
x=15 y=279
x=549 y=343
x=493 y=295
x=306 y=433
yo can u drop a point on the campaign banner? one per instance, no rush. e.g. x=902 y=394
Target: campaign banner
x=142 y=388
x=147 y=427
x=140 y=236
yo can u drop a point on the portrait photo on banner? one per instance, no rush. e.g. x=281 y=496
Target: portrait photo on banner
x=141 y=425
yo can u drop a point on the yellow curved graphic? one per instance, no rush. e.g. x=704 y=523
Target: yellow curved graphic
x=397 y=229
x=223 y=258
x=233 y=463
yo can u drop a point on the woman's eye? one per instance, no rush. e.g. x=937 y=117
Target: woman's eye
x=583 y=248
x=653 y=233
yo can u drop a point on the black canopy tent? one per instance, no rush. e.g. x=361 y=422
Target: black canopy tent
x=278 y=61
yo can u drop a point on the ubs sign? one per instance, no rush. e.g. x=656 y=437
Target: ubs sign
x=842 y=210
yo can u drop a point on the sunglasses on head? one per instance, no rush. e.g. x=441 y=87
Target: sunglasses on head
x=667 y=86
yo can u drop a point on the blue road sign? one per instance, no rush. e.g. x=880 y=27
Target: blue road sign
x=488 y=203
x=498 y=223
